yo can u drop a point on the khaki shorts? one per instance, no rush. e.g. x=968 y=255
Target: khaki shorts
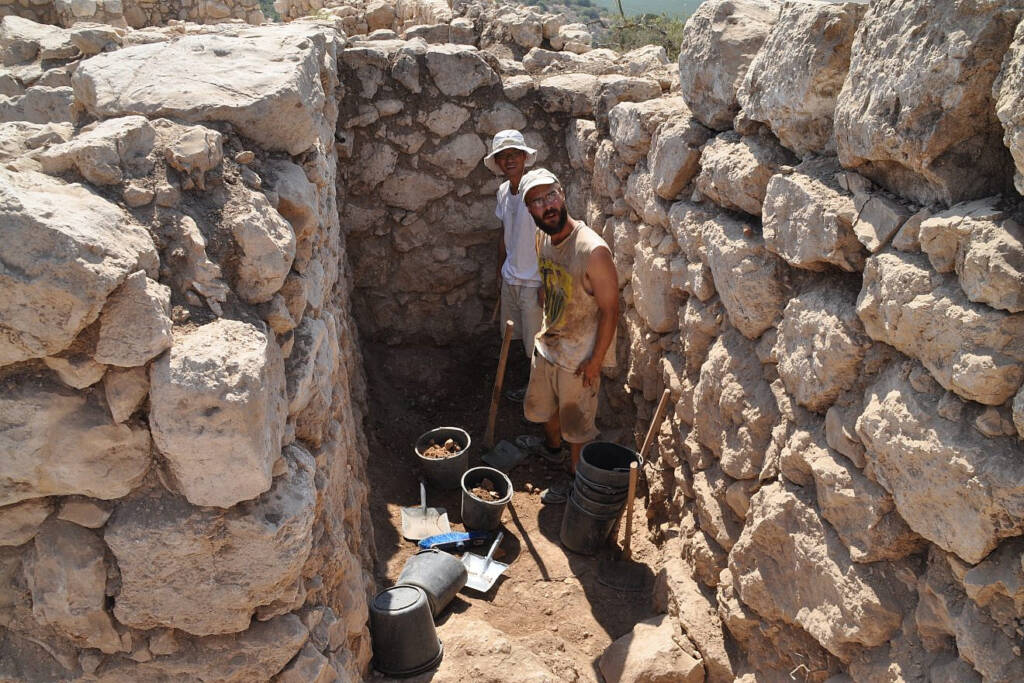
x=553 y=390
x=520 y=304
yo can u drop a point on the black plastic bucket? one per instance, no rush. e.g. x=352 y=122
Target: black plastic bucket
x=607 y=464
x=598 y=492
x=484 y=515
x=582 y=531
x=439 y=574
x=444 y=473
x=405 y=641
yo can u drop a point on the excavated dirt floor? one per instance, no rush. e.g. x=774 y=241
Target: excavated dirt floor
x=550 y=602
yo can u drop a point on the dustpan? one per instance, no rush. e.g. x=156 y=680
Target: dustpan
x=419 y=521
x=484 y=571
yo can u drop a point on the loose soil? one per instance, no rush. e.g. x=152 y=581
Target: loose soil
x=549 y=602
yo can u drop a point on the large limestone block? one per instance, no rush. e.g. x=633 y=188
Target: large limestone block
x=944 y=610
x=1008 y=90
x=631 y=124
x=573 y=94
x=682 y=597
x=972 y=349
x=808 y=219
x=986 y=249
x=651 y=652
x=998 y=577
x=957 y=488
x=719 y=43
x=640 y=196
x=714 y=516
x=675 y=154
x=20 y=522
x=777 y=647
x=296 y=197
x=67 y=575
x=309 y=666
x=820 y=346
x=57 y=441
x=412 y=190
x=41 y=104
x=734 y=409
x=735 y=170
x=748 y=277
x=861 y=512
x=311 y=364
x=790 y=566
x=256 y=654
x=102 y=153
x=458 y=70
x=264 y=81
x=916 y=113
x=23 y=40
x=793 y=82
x=64 y=251
x=459 y=156
x=135 y=325
x=203 y=570
x=217 y=411
x=266 y=243
x=652 y=294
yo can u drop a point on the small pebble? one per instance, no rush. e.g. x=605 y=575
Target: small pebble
x=529 y=487
x=244 y=157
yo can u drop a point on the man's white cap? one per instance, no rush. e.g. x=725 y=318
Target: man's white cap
x=538 y=176
x=508 y=139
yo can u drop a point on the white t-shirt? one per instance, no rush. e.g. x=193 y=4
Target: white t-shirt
x=520 y=267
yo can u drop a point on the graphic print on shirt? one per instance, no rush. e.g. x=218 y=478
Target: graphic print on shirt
x=558 y=290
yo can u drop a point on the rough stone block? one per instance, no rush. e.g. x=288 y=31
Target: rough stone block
x=175 y=559
x=719 y=42
x=458 y=71
x=974 y=350
x=650 y=652
x=735 y=170
x=952 y=485
x=675 y=152
x=65 y=250
x=794 y=79
x=59 y=442
x=135 y=325
x=808 y=219
x=916 y=113
x=217 y=411
x=266 y=244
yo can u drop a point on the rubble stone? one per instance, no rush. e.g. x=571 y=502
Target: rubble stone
x=218 y=411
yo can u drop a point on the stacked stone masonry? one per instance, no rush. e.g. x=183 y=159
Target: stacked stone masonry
x=817 y=232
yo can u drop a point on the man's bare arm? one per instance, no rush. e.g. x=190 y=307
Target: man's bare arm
x=604 y=282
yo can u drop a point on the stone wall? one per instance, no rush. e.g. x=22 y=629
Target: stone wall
x=183 y=482
x=134 y=13
x=818 y=239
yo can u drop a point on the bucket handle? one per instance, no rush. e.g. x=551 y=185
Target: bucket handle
x=603 y=488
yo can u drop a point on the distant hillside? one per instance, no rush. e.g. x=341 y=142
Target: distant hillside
x=679 y=8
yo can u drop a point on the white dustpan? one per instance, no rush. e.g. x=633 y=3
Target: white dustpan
x=484 y=571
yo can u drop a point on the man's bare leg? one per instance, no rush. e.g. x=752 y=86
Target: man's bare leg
x=553 y=432
x=574 y=451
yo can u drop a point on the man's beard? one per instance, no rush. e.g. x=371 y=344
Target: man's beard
x=563 y=216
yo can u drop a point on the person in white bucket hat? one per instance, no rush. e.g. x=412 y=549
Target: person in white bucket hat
x=519 y=299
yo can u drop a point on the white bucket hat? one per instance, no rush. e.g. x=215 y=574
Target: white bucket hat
x=538 y=176
x=508 y=139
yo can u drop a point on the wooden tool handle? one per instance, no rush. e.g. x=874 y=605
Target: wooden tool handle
x=659 y=412
x=498 y=381
x=633 y=470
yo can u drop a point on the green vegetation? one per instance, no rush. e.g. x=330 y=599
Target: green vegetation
x=268 y=10
x=628 y=33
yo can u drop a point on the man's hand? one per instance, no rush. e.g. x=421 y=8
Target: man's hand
x=590 y=370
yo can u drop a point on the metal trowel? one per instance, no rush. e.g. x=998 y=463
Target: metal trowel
x=419 y=521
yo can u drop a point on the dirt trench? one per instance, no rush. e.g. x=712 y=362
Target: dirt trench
x=550 y=603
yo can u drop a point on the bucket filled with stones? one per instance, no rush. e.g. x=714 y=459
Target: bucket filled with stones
x=443 y=454
x=485 y=492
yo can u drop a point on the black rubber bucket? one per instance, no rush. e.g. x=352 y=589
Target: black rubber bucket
x=484 y=515
x=439 y=574
x=582 y=531
x=405 y=641
x=598 y=492
x=444 y=473
x=607 y=464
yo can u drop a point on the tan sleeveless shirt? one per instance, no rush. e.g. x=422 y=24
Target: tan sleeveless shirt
x=569 y=331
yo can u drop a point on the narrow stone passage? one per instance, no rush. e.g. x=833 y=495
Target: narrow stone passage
x=549 y=618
